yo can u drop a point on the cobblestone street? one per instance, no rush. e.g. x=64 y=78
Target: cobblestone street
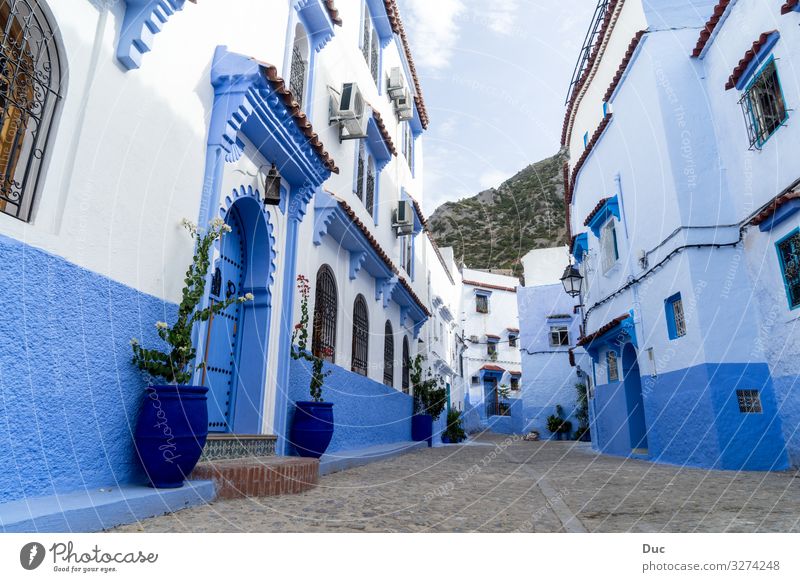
x=496 y=484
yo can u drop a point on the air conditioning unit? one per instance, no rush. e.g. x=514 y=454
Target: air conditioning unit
x=350 y=112
x=396 y=83
x=404 y=107
x=404 y=218
x=473 y=339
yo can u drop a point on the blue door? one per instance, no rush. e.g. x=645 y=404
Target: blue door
x=221 y=350
x=637 y=425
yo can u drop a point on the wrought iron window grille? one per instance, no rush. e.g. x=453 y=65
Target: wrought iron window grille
x=763 y=107
x=388 y=355
x=360 y=336
x=297 y=79
x=323 y=341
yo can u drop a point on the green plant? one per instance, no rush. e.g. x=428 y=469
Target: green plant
x=175 y=366
x=455 y=429
x=430 y=397
x=556 y=422
x=504 y=391
x=300 y=335
x=582 y=409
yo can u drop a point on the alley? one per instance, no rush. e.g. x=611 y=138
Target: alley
x=504 y=484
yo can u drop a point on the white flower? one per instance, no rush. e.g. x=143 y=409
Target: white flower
x=162 y=325
x=134 y=342
x=248 y=296
x=189 y=225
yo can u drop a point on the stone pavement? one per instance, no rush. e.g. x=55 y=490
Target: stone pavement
x=504 y=484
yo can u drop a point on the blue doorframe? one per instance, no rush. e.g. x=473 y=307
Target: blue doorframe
x=637 y=425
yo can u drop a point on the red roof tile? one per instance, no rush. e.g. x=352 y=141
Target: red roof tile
x=515 y=373
x=491 y=335
x=610 y=325
x=594 y=211
x=773 y=206
x=279 y=86
x=789 y=6
x=748 y=57
x=708 y=29
x=590 y=146
x=488 y=286
x=513 y=329
x=492 y=368
x=332 y=12
x=637 y=38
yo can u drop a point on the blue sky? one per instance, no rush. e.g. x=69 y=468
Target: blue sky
x=494 y=75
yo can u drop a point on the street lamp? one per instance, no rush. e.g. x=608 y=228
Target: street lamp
x=272 y=187
x=572 y=281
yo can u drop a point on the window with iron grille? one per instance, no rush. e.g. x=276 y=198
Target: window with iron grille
x=512 y=340
x=608 y=245
x=370 y=200
x=323 y=340
x=360 y=175
x=30 y=85
x=491 y=348
x=406 y=376
x=374 y=58
x=611 y=363
x=559 y=336
x=297 y=78
x=482 y=303
x=408 y=145
x=360 y=336
x=749 y=401
x=514 y=383
x=789 y=256
x=763 y=106
x=366 y=44
x=407 y=253
x=476 y=380
x=676 y=322
x=388 y=355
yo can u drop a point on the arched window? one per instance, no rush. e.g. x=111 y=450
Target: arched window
x=388 y=355
x=360 y=336
x=30 y=87
x=406 y=367
x=370 y=201
x=323 y=341
x=299 y=68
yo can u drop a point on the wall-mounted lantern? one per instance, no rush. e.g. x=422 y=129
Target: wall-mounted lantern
x=272 y=187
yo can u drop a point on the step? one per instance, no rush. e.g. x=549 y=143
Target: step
x=259 y=476
x=101 y=508
x=238 y=446
x=341 y=460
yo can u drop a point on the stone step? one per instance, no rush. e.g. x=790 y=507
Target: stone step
x=238 y=446
x=259 y=476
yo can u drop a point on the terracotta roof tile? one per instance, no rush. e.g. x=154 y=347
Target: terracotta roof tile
x=748 y=57
x=515 y=372
x=513 y=329
x=492 y=368
x=610 y=325
x=491 y=335
x=789 y=6
x=594 y=212
x=333 y=13
x=488 y=286
x=773 y=206
x=708 y=29
x=637 y=38
x=279 y=86
x=590 y=146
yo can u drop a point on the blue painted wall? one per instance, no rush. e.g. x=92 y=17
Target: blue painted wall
x=693 y=419
x=70 y=395
x=365 y=412
x=508 y=424
x=786 y=389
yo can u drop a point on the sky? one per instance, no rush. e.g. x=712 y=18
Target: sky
x=494 y=76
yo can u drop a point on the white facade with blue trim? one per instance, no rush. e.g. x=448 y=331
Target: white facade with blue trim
x=154 y=122
x=684 y=227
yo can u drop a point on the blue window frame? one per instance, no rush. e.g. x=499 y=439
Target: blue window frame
x=764 y=105
x=789 y=257
x=586 y=140
x=676 y=322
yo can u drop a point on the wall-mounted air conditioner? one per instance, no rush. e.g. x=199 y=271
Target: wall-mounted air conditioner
x=403 y=221
x=350 y=112
x=473 y=339
x=396 y=83
x=404 y=107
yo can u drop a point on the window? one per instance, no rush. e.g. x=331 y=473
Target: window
x=30 y=84
x=365 y=179
x=476 y=380
x=749 y=401
x=375 y=58
x=608 y=245
x=388 y=355
x=491 y=348
x=370 y=46
x=360 y=175
x=763 y=106
x=586 y=140
x=299 y=67
x=789 y=257
x=406 y=376
x=515 y=382
x=481 y=303
x=407 y=253
x=360 y=336
x=323 y=340
x=611 y=362
x=559 y=336
x=512 y=340
x=408 y=145
x=369 y=203
x=676 y=322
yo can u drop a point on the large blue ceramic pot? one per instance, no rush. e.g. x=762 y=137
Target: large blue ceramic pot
x=422 y=428
x=312 y=428
x=171 y=433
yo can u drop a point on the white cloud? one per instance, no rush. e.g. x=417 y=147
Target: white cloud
x=501 y=15
x=432 y=26
x=492 y=178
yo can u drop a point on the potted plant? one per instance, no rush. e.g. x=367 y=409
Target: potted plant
x=312 y=424
x=582 y=413
x=557 y=425
x=172 y=426
x=454 y=433
x=503 y=394
x=429 y=401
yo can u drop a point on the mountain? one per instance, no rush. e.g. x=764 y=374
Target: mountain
x=495 y=228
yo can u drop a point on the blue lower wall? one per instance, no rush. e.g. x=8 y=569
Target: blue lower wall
x=786 y=393
x=512 y=424
x=365 y=412
x=70 y=395
x=693 y=418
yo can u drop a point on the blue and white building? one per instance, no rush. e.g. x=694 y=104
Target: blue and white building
x=119 y=120
x=682 y=207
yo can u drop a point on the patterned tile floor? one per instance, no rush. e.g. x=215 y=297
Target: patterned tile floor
x=503 y=484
